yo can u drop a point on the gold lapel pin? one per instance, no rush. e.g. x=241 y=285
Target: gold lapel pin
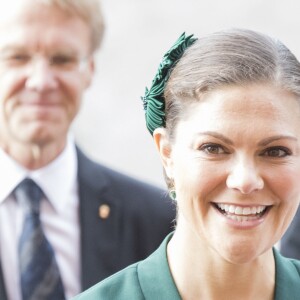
x=104 y=211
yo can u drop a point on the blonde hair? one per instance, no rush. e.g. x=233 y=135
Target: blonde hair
x=88 y=10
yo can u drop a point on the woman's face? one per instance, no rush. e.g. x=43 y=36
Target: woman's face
x=235 y=163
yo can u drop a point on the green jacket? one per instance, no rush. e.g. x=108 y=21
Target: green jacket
x=151 y=279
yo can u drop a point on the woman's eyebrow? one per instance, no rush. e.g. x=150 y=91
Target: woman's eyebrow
x=271 y=139
x=264 y=142
x=217 y=135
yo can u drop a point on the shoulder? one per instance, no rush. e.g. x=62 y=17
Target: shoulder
x=292 y=264
x=287 y=277
x=287 y=265
x=120 y=286
x=88 y=167
x=124 y=186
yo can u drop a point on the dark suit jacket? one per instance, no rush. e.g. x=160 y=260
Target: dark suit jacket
x=139 y=219
x=290 y=242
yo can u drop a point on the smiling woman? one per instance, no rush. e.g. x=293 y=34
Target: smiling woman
x=220 y=159
x=225 y=117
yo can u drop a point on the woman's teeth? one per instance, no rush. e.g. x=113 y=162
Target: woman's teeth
x=241 y=213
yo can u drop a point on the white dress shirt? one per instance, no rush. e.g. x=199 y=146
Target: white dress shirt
x=59 y=217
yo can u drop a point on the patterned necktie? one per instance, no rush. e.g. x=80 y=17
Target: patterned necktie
x=40 y=278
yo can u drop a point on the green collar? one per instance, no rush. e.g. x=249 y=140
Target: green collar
x=155 y=276
x=287 y=277
x=157 y=282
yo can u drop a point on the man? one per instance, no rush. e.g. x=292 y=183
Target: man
x=93 y=220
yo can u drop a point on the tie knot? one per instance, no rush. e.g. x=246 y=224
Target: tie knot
x=29 y=195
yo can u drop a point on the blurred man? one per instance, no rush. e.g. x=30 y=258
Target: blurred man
x=65 y=221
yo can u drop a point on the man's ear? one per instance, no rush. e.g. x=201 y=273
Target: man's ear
x=164 y=148
x=89 y=72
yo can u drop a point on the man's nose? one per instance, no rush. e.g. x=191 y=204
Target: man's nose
x=244 y=176
x=40 y=76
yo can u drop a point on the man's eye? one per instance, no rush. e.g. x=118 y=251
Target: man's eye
x=277 y=152
x=213 y=149
x=62 y=60
x=17 y=58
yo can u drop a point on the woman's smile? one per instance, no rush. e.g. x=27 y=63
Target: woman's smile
x=243 y=216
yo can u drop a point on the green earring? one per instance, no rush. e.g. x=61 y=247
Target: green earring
x=172 y=194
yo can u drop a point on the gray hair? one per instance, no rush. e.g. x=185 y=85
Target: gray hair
x=88 y=10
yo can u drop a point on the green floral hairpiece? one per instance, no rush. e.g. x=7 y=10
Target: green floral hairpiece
x=153 y=101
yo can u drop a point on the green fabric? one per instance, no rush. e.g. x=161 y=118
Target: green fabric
x=155 y=276
x=151 y=279
x=153 y=101
x=287 y=277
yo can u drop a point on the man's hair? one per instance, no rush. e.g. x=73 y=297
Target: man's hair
x=88 y=10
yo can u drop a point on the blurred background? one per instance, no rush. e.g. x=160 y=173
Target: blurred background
x=111 y=127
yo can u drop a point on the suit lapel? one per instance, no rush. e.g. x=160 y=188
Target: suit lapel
x=98 y=240
x=98 y=235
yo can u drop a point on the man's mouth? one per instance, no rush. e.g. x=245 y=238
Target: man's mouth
x=242 y=213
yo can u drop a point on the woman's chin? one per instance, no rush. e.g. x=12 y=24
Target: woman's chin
x=240 y=254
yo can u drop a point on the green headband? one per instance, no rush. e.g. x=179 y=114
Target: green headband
x=153 y=101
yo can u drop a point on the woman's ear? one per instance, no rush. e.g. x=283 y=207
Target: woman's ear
x=164 y=148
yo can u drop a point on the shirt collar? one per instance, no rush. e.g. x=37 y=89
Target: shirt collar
x=58 y=179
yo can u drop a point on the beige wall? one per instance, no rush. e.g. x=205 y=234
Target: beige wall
x=111 y=124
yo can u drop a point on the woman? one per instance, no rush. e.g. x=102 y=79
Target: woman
x=225 y=117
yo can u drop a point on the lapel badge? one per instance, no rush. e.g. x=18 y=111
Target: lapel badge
x=104 y=211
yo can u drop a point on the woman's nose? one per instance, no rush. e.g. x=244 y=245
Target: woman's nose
x=40 y=76
x=244 y=177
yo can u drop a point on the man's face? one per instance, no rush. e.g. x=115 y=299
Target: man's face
x=45 y=66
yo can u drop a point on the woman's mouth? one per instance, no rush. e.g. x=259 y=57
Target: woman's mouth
x=241 y=213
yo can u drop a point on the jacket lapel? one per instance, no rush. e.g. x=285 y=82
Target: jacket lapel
x=98 y=222
x=98 y=239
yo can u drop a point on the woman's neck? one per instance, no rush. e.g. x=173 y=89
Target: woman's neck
x=200 y=272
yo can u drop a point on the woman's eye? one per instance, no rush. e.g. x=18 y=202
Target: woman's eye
x=212 y=149
x=277 y=152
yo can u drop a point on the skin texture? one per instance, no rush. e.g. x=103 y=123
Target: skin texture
x=38 y=101
x=237 y=146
